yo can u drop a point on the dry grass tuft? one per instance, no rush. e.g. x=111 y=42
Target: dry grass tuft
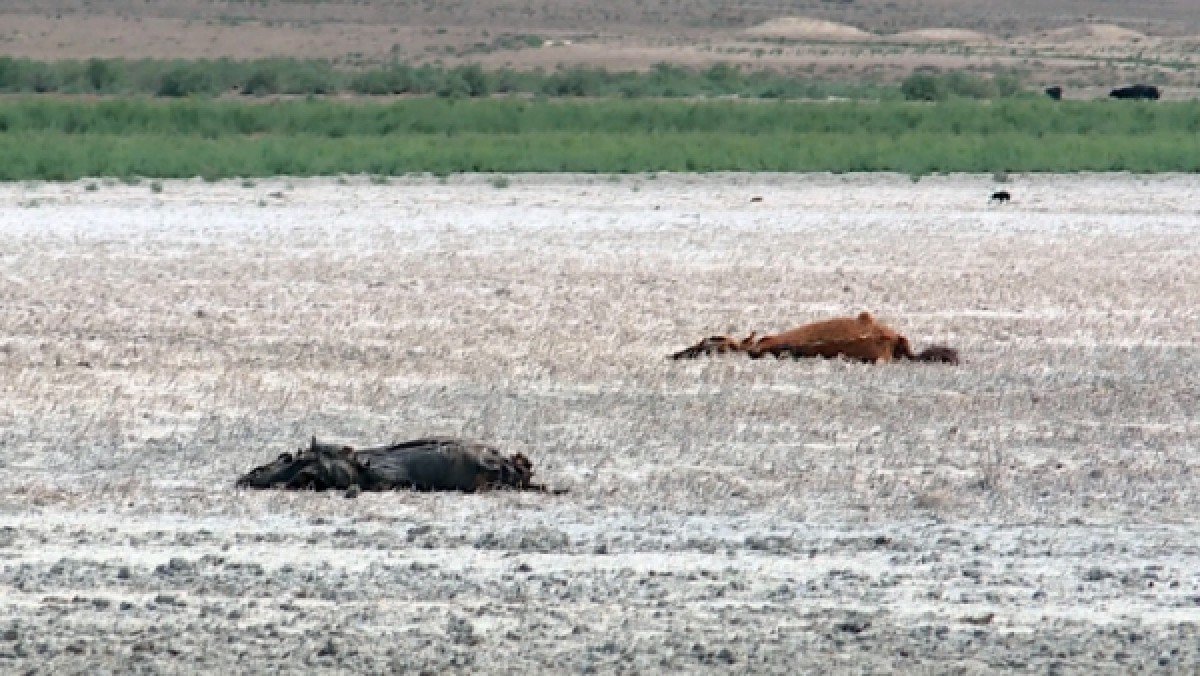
x=537 y=317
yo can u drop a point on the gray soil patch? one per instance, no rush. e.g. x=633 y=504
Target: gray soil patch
x=1032 y=508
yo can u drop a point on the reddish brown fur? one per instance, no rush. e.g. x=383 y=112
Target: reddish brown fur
x=859 y=338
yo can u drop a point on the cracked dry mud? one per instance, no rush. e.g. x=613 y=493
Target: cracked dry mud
x=1032 y=508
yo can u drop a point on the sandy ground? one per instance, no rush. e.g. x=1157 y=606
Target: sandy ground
x=1032 y=509
x=1086 y=46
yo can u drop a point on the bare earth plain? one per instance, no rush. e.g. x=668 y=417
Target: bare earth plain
x=1033 y=508
x=1086 y=46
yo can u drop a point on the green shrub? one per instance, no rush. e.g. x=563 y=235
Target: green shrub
x=925 y=87
x=921 y=87
x=185 y=79
x=261 y=82
x=102 y=76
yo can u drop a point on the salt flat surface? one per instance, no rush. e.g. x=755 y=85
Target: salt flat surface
x=1033 y=508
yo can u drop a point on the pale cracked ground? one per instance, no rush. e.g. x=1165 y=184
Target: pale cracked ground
x=1034 y=508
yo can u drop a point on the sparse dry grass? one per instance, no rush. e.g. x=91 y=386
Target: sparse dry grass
x=722 y=512
x=180 y=341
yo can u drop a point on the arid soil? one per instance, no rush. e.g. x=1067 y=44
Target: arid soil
x=1033 y=508
x=1087 y=46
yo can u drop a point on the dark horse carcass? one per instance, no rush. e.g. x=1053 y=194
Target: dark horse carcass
x=431 y=464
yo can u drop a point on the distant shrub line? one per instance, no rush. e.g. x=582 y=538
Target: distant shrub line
x=297 y=77
x=218 y=118
x=943 y=87
x=300 y=77
x=45 y=138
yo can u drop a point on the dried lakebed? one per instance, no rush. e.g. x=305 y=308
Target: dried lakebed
x=1033 y=508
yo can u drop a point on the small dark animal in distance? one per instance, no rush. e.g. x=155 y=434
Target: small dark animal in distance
x=1136 y=92
x=1054 y=92
x=756 y=199
x=1001 y=196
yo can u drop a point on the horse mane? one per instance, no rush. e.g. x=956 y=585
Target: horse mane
x=938 y=353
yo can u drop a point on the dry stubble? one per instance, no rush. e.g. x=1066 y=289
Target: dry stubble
x=154 y=345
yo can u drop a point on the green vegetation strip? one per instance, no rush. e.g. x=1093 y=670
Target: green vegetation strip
x=63 y=140
x=297 y=77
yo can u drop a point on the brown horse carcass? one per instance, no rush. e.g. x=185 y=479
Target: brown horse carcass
x=861 y=338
